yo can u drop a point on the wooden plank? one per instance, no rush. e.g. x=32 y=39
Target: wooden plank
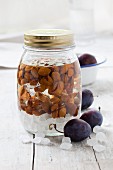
x=104 y=89
x=106 y=164
x=13 y=154
x=52 y=157
x=105 y=158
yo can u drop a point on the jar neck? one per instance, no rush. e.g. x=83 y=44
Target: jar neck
x=67 y=48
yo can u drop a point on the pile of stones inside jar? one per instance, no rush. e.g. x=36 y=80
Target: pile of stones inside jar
x=51 y=89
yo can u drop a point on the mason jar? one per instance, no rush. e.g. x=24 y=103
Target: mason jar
x=49 y=81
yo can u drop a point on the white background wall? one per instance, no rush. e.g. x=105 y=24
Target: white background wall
x=28 y=14
x=20 y=15
x=103 y=11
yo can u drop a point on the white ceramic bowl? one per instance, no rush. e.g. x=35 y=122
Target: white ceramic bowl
x=89 y=72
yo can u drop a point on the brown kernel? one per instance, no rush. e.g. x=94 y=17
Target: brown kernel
x=28 y=68
x=19 y=81
x=20 y=90
x=72 y=109
x=50 y=88
x=65 y=78
x=55 y=114
x=36 y=113
x=46 y=107
x=31 y=77
x=29 y=103
x=55 y=100
x=54 y=107
x=43 y=97
x=56 y=68
x=57 y=88
x=20 y=73
x=33 y=82
x=44 y=71
x=28 y=110
x=43 y=81
x=23 y=106
x=69 y=98
x=35 y=103
x=56 y=76
x=41 y=88
x=60 y=88
x=34 y=72
x=25 y=95
x=27 y=76
x=64 y=98
x=24 y=81
x=36 y=89
x=69 y=88
x=73 y=94
x=64 y=69
x=70 y=72
x=50 y=80
x=62 y=112
x=71 y=81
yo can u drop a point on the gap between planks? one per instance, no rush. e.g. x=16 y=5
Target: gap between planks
x=33 y=156
x=96 y=159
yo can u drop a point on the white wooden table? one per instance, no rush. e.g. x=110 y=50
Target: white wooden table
x=17 y=156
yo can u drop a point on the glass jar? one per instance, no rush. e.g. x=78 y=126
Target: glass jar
x=49 y=81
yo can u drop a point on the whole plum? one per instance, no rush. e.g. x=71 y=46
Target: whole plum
x=92 y=117
x=86 y=59
x=87 y=98
x=77 y=130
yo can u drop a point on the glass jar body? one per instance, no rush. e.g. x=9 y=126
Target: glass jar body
x=48 y=88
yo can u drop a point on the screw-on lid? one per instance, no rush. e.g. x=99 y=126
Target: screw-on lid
x=50 y=38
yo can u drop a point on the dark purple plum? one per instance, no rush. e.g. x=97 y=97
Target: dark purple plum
x=86 y=59
x=87 y=99
x=77 y=130
x=92 y=117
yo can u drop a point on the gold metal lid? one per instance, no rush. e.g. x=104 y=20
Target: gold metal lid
x=49 y=38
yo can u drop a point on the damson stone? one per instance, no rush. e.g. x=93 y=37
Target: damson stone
x=48 y=89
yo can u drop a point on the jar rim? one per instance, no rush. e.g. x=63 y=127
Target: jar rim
x=49 y=38
x=29 y=48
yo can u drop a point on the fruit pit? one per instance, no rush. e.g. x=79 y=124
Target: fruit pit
x=49 y=89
